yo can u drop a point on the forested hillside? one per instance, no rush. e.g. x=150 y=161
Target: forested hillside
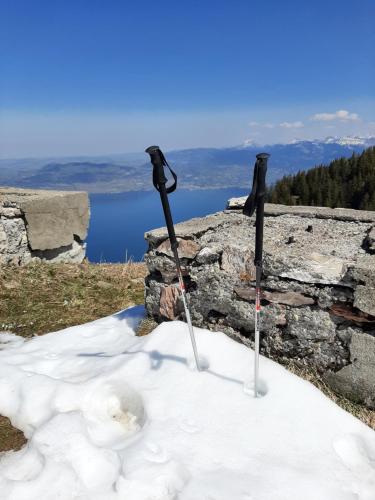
x=345 y=182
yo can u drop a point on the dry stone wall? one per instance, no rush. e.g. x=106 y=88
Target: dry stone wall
x=319 y=286
x=42 y=225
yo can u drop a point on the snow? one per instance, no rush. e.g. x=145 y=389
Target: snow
x=350 y=140
x=111 y=416
x=341 y=141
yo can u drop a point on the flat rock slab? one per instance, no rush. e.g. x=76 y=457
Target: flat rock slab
x=186 y=229
x=344 y=214
x=294 y=299
x=53 y=218
x=306 y=249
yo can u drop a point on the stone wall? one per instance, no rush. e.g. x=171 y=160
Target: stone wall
x=42 y=225
x=319 y=286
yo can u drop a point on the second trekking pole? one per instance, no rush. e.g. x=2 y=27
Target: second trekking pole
x=159 y=180
x=255 y=202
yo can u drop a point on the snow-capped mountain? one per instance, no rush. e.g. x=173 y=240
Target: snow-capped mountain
x=348 y=140
x=351 y=141
x=196 y=168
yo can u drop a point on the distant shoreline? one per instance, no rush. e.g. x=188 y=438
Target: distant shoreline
x=180 y=188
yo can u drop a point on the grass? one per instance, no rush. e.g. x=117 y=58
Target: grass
x=41 y=298
x=146 y=326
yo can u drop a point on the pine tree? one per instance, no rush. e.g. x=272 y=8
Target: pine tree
x=345 y=182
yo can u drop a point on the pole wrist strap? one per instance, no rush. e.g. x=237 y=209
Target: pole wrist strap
x=156 y=176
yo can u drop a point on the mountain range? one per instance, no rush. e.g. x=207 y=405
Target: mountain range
x=196 y=168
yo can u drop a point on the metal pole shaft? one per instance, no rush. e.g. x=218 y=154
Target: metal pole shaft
x=257 y=330
x=174 y=246
x=187 y=311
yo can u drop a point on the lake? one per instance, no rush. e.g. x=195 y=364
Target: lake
x=118 y=221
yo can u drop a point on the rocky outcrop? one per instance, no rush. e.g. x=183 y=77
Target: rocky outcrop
x=42 y=225
x=318 y=285
x=357 y=379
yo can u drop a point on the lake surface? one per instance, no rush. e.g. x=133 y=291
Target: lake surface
x=118 y=221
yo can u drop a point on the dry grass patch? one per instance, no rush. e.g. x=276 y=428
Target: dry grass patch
x=10 y=437
x=41 y=298
x=146 y=326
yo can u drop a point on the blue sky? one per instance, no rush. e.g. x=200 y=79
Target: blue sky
x=93 y=77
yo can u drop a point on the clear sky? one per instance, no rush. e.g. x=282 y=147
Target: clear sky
x=110 y=76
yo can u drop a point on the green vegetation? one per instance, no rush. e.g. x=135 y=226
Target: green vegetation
x=346 y=182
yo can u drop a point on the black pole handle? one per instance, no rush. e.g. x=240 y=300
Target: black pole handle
x=159 y=180
x=158 y=175
x=255 y=201
x=262 y=171
x=259 y=184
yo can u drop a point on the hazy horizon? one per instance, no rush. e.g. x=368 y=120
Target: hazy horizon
x=128 y=154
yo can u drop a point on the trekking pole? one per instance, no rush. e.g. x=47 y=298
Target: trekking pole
x=255 y=202
x=159 y=180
